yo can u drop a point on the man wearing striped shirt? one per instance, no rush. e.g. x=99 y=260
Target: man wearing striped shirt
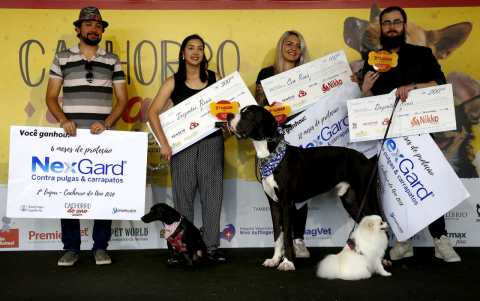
x=88 y=74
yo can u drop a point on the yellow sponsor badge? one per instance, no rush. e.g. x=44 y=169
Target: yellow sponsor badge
x=223 y=107
x=382 y=61
x=280 y=111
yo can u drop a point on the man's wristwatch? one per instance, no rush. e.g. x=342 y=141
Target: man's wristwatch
x=414 y=86
x=108 y=127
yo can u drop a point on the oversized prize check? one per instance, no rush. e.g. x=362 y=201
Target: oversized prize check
x=190 y=121
x=426 y=110
x=53 y=175
x=304 y=85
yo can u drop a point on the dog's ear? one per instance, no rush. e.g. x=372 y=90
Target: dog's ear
x=173 y=214
x=472 y=109
x=446 y=40
x=369 y=225
x=268 y=127
x=375 y=13
x=464 y=87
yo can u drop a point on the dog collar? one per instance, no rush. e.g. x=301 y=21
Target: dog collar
x=353 y=246
x=170 y=229
x=268 y=164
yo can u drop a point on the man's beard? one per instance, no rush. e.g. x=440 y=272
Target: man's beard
x=87 y=41
x=393 y=42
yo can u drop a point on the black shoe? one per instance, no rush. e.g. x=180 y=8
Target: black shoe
x=216 y=255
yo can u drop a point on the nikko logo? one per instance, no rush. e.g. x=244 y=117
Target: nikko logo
x=334 y=83
x=84 y=166
x=406 y=167
x=424 y=120
x=228 y=233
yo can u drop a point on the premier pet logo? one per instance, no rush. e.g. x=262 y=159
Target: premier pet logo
x=228 y=233
x=84 y=166
x=333 y=84
x=424 y=120
x=410 y=181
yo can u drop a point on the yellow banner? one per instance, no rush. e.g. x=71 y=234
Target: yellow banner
x=245 y=40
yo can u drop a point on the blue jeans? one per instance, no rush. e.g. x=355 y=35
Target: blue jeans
x=71 y=235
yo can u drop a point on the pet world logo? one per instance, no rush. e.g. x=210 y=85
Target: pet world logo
x=193 y=125
x=410 y=181
x=459 y=238
x=179 y=133
x=302 y=93
x=392 y=215
x=85 y=166
x=333 y=84
x=8 y=237
x=228 y=233
x=424 y=120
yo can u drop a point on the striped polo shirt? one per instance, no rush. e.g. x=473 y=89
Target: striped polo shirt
x=86 y=103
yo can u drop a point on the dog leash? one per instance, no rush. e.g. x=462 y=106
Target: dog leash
x=152 y=169
x=350 y=241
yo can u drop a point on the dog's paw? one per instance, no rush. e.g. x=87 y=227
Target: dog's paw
x=386 y=263
x=286 y=266
x=271 y=262
x=385 y=273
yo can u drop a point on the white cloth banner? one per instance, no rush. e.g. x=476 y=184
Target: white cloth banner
x=427 y=110
x=326 y=123
x=417 y=184
x=190 y=121
x=304 y=85
x=53 y=175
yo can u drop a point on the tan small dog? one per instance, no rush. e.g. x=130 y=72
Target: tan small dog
x=370 y=244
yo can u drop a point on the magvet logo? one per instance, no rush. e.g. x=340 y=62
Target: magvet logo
x=424 y=120
x=333 y=84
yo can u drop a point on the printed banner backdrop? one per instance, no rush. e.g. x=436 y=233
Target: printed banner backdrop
x=148 y=43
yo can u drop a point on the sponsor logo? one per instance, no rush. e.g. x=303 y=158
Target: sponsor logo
x=193 y=125
x=354 y=125
x=406 y=167
x=386 y=121
x=120 y=210
x=50 y=237
x=9 y=237
x=300 y=103
x=84 y=166
x=302 y=93
x=370 y=123
x=329 y=134
x=451 y=215
x=334 y=83
x=175 y=145
x=318 y=231
x=228 y=233
x=424 y=120
x=179 y=133
x=460 y=238
x=392 y=215
x=362 y=133
x=32 y=208
x=191 y=136
x=23 y=208
x=291 y=97
x=131 y=234
x=256 y=230
x=261 y=208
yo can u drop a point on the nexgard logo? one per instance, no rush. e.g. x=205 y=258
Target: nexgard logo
x=84 y=166
x=412 y=184
x=329 y=134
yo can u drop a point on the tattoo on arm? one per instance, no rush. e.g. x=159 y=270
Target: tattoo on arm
x=260 y=96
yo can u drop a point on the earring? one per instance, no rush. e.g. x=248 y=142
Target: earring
x=183 y=58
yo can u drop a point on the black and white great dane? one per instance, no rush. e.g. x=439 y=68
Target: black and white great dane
x=301 y=175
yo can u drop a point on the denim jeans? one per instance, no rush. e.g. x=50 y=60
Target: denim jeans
x=71 y=235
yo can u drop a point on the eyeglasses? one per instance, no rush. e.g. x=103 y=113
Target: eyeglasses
x=89 y=76
x=395 y=23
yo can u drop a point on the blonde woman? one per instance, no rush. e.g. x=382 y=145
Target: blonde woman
x=291 y=52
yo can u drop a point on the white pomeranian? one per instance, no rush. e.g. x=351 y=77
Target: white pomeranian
x=370 y=244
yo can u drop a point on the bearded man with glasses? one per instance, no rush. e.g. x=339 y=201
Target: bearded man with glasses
x=417 y=68
x=89 y=74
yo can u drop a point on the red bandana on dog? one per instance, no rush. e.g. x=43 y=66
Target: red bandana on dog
x=174 y=237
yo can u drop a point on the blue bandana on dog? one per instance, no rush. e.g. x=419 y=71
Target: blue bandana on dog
x=268 y=164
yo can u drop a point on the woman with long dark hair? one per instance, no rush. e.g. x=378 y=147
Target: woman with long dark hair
x=291 y=52
x=201 y=164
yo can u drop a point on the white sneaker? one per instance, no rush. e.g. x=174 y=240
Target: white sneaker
x=300 y=249
x=401 y=250
x=444 y=250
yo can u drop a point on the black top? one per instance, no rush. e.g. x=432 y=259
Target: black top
x=181 y=91
x=415 y=64
x=265 y=73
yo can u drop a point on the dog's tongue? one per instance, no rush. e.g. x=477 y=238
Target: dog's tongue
x=441 y=144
